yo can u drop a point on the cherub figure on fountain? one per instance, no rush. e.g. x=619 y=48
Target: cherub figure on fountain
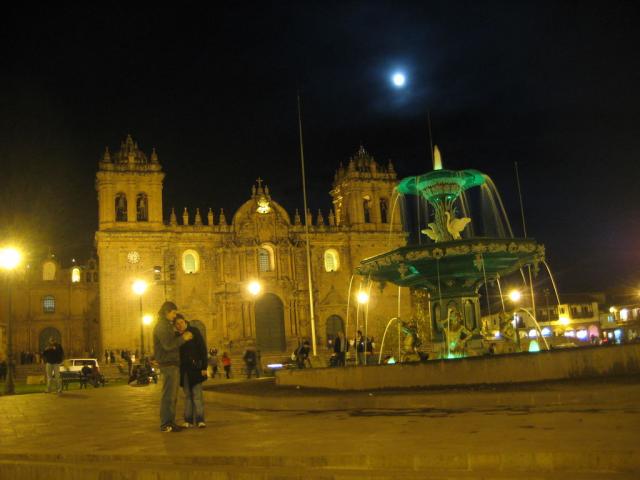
x=508 y=332
x=410 y=343
x=457 y=334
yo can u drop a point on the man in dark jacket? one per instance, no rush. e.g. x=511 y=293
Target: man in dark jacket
x=166 y=346
x=340 y=346
x=193 y=371
x=53 y=355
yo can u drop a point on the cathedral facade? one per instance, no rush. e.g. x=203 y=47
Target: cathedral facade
x=206 y=261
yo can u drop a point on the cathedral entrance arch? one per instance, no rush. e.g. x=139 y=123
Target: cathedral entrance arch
x=270 y=324
x=335 y=324
x=46 y=334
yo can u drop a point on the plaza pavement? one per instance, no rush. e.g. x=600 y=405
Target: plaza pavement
x=580 y=430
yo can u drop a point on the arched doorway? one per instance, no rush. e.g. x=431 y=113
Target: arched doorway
x=270 y=324
x=335 y=324
x=46 y=334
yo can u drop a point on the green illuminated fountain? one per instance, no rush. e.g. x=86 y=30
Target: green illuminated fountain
x=451 y=269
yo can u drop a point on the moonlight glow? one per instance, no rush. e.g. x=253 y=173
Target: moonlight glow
x=399 y=79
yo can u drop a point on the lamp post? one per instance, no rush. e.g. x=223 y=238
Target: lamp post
x=139 y=287
x=147 y=320
x=9 y=259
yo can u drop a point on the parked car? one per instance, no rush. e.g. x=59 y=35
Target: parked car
x=76 y=364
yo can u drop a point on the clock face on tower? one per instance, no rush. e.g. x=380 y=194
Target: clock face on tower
x=133 y=257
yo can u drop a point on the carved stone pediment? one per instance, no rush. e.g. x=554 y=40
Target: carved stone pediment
x=333 y=298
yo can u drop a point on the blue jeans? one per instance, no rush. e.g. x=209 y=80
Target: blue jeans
x=53 y=373
x=193 y=402
x=170 y=385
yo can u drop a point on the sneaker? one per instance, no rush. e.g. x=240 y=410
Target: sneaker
x=170 y=428
x=186 y=425
x=201 y=424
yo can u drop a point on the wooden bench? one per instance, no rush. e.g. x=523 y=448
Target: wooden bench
x=73 y=377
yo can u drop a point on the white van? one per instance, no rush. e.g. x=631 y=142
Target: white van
x=76 y=364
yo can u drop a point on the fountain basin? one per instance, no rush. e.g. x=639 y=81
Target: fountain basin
x=453 y=268
x=553 y=365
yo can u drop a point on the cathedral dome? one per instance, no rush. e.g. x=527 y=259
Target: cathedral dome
x=260 y=205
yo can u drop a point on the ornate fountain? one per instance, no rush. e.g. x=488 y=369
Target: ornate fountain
x=451 y=269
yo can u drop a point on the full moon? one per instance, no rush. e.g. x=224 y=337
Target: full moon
x=398 y=79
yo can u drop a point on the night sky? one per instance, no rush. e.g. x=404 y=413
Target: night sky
x=553 y=86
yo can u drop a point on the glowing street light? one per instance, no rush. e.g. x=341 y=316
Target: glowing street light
x=10 y=258
x=139 y=287
x=147 y=319
x=515 y=296
x=362 y=297
x=254 y=288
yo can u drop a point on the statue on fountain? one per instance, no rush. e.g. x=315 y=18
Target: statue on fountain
x=457 y=334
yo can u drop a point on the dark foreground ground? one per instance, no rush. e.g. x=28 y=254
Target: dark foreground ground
x=547 y=431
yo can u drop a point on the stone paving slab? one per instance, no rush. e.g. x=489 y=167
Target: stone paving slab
x=113 y=434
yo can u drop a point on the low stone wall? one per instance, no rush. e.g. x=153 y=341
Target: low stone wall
x=580 y=362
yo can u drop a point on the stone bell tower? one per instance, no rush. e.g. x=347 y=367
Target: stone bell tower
x=129 y=186
x=363 y=194
x=128 y=241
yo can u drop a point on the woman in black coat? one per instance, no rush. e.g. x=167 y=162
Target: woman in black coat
x=193 y=371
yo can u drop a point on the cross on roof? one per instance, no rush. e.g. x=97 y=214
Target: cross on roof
x=259 y=181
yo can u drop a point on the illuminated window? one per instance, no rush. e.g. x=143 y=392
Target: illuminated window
x=190 y=261
x=75 y=275
x=121 y=207
x=265 y=259
x=366 y=205
x=49 y=271
x=48 y=304
x=331 y=260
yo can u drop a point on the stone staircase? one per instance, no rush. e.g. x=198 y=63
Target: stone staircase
x=23 y=371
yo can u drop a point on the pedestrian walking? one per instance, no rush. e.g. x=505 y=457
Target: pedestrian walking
x=53 y=355
x=340 y=346
x=213 y=362
x=360 y=349
x=226 y=364
x=166 y=346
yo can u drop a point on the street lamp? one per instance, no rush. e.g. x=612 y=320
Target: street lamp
x=9 y=259
x=515 y=296
x=254 y=288
x=146 y=321
x=362 y=297
x=139 y=287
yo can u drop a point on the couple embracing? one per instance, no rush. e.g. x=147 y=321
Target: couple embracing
x=181 y=352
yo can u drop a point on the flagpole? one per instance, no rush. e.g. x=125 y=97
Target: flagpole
x=306 y=230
